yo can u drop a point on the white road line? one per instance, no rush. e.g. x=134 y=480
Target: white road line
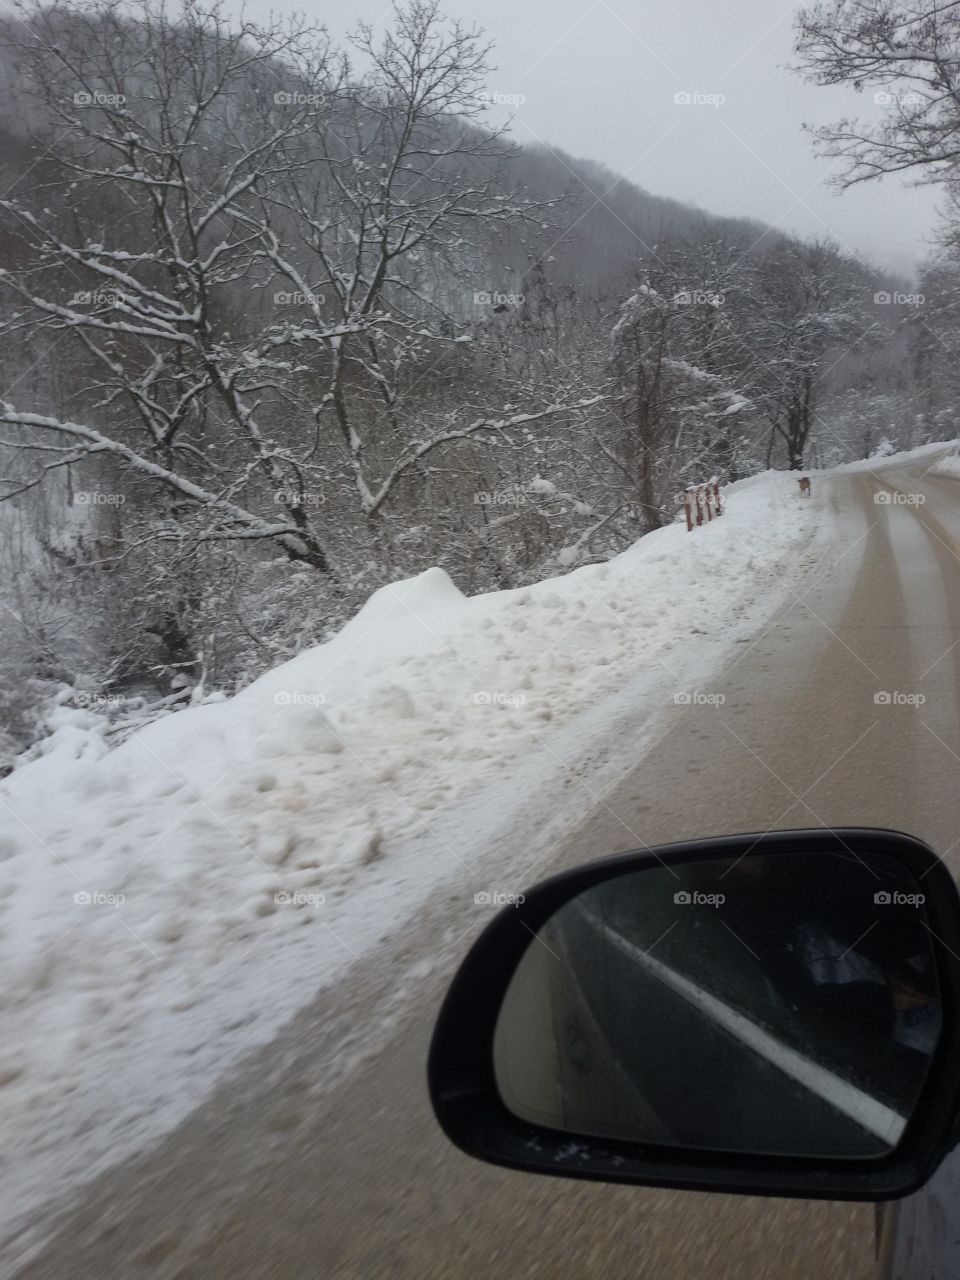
x=874 y=1116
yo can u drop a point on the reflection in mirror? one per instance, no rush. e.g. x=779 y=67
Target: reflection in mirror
x=781 y=1004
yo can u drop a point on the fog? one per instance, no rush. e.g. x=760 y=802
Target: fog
x=599 y=80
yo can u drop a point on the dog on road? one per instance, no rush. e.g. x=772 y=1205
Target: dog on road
x=804 y=483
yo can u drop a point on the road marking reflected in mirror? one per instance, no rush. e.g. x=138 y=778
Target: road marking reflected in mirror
x=880 y=1120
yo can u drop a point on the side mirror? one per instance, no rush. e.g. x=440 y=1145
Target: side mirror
x=772 y=1014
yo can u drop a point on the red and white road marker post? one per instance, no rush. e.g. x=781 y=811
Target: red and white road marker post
x=698 y=499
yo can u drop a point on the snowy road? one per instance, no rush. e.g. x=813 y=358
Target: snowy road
x=320 y=1157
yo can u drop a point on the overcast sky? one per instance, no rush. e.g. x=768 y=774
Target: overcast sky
x=598 y=78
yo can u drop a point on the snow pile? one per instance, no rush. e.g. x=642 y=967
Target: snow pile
x=934 y=453
x=948 y=465
x=165 y=905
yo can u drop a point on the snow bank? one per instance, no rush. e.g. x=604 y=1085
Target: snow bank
x=948 y=465
x=166 y=905
x=881 y=462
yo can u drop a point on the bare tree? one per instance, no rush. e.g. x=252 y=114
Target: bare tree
x=909 y=54
x=667 y=407
x=410 y=186
x=160 y=136
x=809 y=310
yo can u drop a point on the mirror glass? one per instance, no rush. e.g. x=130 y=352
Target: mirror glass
x=774 y=1004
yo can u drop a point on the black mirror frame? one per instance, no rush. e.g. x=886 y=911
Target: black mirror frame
x=471 y=1113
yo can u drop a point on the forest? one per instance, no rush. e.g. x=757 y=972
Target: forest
x=283 y=320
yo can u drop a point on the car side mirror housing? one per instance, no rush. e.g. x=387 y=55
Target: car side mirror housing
x=774 y=1014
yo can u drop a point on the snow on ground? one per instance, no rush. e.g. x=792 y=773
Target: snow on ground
x=947 y=465
x=167 y=905
x=935 y=454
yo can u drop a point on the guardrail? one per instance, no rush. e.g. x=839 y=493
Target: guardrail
x=700 y=502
